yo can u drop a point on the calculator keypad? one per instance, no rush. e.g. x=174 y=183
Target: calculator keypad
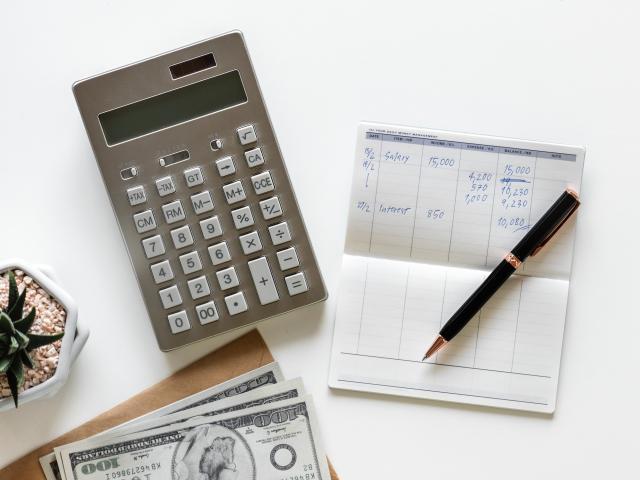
x=201 y=282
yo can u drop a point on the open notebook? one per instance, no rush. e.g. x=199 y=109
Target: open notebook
x=431 y=213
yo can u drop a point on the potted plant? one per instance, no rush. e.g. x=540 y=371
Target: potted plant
x=39 y=338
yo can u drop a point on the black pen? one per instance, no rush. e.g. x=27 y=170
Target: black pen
x=530 y=244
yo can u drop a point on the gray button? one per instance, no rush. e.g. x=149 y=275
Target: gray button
x=144 y=221
x=296 y=283
x=193 y=177
x=162 y=272
x=182 y=237
x=170 y=297
x=165 y=186
x=279 y=233
x=236 y=303
x=247 y=135
x=288 y=258
x=250 y=243
x=234 y=192
x=254 y=157
x=263 y=281
x=202 y=202
x=153 y=246
x=211 y=227
x=242 y=217
x=227 y=278
x=270 y=208
x=262 y=183
x=198 y=287
x=190 y=262
x=136 y=195
x=219 y=253
x=179 y=322
x=207 y=313
x=225 y=166
x=173 y=212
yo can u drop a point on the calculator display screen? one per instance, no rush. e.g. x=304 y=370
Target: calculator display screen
x=172 y=108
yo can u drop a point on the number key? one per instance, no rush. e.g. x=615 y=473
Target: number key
x=170 y=297
x=179 y=322
x=198 y=287
x=211 y=227
x=207 y=313
x=190 y=262
x=153 y=246
x=182 y=237
x=219 y=253
x=227 y=278
x=162 y=272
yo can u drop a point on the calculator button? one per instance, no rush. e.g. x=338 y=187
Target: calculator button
x=262 y=182
x=182 y=237
x=234 y=192
x=288 y=259
x=190 y=262
x=279 y=233
x=153 y=246
x=173 y=212
x=225 y=166
x=136 y=195
x=219 y=253
x=242 y=217
x=250 y=243
x=210 y=227
x=162 y=272
x=254 y=157
x=296 y=283
x=170 y=297
x=144 y=221
x=193 y=177
x=202 y=202
x=216 y=144
x=165 y=186
x=227 y=278
x=207 y=313
x=262 y=279
x=198 y=287
x=247 y=135
x=236 y=303
x=179 y=322
x=270 y=208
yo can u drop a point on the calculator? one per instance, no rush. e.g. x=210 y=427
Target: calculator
x=201 y=193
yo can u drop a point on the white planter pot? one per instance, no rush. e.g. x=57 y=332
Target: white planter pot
x=74 y=338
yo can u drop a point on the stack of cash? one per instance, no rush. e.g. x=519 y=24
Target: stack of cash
x=256 y=426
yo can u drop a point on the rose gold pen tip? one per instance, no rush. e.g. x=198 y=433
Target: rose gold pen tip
x=437 y=345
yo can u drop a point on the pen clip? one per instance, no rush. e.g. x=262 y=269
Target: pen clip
x=564 y=220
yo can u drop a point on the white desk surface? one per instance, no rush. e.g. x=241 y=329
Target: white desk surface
x=559 y=71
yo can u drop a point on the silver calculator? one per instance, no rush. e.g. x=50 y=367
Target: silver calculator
x=189 y=158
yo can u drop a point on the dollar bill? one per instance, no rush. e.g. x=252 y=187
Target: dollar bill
x=260 y=377
x=268 y=442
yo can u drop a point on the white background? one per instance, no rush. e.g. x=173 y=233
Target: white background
x=558 y=71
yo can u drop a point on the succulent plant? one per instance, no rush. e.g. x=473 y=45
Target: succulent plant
x=15 y=340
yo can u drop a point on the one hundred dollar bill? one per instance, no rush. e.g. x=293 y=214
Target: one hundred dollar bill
x=260 y=377
x=268 y=442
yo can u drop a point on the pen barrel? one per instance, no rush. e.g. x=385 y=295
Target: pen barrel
x=477 y=300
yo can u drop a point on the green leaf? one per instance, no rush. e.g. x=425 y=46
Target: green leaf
x=36 y=341
x=18 y=370
x=15 y=312
x=6 y=325
x=4 y=339
x=13 y=346
x=5 y=363
x=13 y=290
x=22 y=339
x=25 y=324
x=13 y=385
x=26 y=359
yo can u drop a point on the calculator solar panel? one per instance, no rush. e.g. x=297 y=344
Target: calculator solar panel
x=195 y=176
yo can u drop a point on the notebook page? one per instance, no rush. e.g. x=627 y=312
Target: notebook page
x=389 y=310
x=457 y=199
